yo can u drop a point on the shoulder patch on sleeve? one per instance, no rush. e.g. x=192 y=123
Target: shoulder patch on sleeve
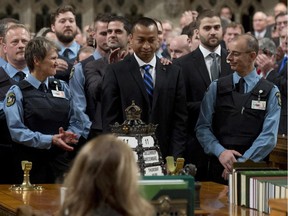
x=278 y=95
x=11 y=98
x=72 y=73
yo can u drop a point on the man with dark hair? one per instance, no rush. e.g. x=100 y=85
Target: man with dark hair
x=200 y=67
x=231 y=31
x=156 y=88
x=239 y=114
x=63 y=23
x=118 y=31
x=78 y=79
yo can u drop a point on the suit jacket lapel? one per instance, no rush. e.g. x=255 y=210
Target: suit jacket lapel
x=225 y=67
x=136 y=74
x=161 y=79
x=202 y=69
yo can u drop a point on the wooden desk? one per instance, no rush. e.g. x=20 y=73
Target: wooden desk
x=278 y=157
x=213 y=199
x=278 y=207
x=47 y=200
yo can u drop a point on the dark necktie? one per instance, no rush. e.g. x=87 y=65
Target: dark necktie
x=43 y=87
x=283 y=63
x=21 y=75
x=148 y=80
x=66 y=53
x=240 y=85
x=214 y=69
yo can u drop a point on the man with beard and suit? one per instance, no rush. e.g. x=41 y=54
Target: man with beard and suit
x=199 y=69
x=156 y=88
x=63 y=23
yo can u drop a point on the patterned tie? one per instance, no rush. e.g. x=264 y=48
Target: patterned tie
x=148 y=80
x=214 y=69
x=21 y=75
x=43 y=87
x=283 y=63
x=240 y=86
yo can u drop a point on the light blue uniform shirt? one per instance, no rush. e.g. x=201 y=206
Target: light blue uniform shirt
x=77 y=84
x=266 y=140
x=22 y=134
x=11 y=71
x=74 y=50
x=2 y=62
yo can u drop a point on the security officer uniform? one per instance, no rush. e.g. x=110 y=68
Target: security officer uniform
x=79 y=89
x=247 y=123
x=8 y=77
x=33 y=117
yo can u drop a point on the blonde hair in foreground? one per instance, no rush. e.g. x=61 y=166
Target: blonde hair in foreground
x=104 y=172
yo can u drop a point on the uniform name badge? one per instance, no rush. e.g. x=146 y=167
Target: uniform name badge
x=59 y=94
x=258 y=105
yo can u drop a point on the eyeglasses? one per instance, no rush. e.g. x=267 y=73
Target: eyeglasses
x=267 y=52
x=236 y=53
x=279 y=23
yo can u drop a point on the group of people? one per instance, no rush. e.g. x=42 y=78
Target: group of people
x=211 y=104
x=215 y=103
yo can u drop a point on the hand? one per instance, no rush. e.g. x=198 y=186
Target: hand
x=57 y=141
x=225 y=174
x=227 y=158
x=62 y=65
x=265 y=63
x=165 y=61
x=117 y=55
x=68 y=136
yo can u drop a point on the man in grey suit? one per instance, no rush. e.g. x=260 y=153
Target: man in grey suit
x=162 y=97
x=199 y=69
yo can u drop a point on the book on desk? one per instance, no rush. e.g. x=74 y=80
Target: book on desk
x=176 y=192
x=252 y=186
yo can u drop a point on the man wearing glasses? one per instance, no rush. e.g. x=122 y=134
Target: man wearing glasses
x=239 y=114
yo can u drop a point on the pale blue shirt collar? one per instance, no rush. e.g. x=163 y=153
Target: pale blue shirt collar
x=2 y=62
x=74 y=47
x=97 y=55
x=11 y=71
x=207 y=52
x=250 y=80
x=35 y=82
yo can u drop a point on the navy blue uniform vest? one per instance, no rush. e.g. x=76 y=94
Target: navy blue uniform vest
x=5 y=83
x=235 y=124
x=42 y=111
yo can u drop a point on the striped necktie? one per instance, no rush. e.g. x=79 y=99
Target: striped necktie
x=283 y=63
x=148 y=80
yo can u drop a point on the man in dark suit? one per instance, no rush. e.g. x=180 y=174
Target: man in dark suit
x=260 y=29
x=196 y=68
x=163 y=101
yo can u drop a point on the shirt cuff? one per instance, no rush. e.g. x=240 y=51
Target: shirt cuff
x=46 y=141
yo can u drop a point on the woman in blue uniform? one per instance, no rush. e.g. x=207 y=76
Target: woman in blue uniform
x=41 y=117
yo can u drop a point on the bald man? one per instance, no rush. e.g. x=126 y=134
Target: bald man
x=260 y=29
x=179 y=46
